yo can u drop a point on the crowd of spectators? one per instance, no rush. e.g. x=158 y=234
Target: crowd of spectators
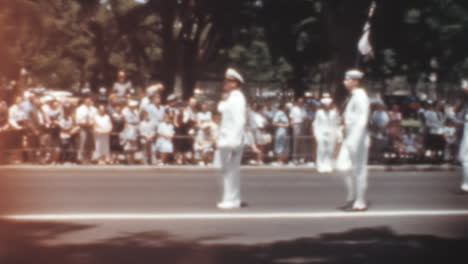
x=116 y=127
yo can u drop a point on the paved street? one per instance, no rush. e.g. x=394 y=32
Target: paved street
x=80 y=211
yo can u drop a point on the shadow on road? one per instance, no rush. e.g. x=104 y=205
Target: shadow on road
x=23 y=243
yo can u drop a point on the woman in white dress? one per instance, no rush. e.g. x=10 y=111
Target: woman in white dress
x=102 y=130
x=164 y=144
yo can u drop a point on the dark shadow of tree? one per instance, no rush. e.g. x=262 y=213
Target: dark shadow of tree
x=23 y=243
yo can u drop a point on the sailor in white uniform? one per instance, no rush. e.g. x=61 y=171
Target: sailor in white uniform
x=325 y=127
x=233 y=109
x=463 y=153
x=356 y=141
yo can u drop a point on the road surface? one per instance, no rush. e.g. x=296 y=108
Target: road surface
x=155 y=215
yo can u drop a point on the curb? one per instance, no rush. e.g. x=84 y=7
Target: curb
x=385 y=168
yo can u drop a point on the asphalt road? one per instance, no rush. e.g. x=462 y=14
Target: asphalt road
x=94 y=216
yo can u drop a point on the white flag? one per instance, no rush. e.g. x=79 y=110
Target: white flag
x=364 y=45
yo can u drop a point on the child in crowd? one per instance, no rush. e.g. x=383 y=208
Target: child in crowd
x=205 y=143
x=147 y=137
x=164 y=144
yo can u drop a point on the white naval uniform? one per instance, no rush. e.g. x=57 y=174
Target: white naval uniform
x=463 y=154
x=230 y=144
x=356 y=145
x=325 y=126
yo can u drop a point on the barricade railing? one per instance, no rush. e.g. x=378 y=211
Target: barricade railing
x=300 y=149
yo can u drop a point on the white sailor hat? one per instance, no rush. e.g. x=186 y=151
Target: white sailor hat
x=171 y=97
x=152 y=89
x=102 y=90
x=132 y=103
x=326 y=99
x=85 y=90
x=233 y=75
x=46 y=99
x=354 y=74
x=28 y=94
x=464 y=84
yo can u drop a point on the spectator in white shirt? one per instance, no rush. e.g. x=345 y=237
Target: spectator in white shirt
x=102 y=130
x=122 y=87
x=84 y=117
x=147 y=131
x=129 y=136
x=16 y=116
x=68 y=130
x=164 y=144
x=298 y=115
x=205 y=142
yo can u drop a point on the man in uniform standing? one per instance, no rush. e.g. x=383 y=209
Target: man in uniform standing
x=233 y=110
x=325 y=127
x=356 y=141
x=463 y=153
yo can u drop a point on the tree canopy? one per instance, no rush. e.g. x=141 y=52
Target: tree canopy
x=178 y=42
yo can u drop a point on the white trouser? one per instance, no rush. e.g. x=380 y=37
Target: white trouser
x=356 y=181
x=463 y=156
x=325 y=150
x=230 y=159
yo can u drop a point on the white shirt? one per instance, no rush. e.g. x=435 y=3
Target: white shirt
x=260 y=120
x=326 y=124
x=155 y=113
x=65 y=125
x=132 y=117
x=102 y=124
x=356 y=117
x=297 y=114
x=233 y=120
x=121 y=89
x=189 y=114
x=204 y=117
x=15 y=115
x=84 y=114
x=147 y=129
x=166 y=129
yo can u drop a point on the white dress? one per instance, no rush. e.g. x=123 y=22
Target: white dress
x=102 y=130
x=165 y=145
x=129 y=136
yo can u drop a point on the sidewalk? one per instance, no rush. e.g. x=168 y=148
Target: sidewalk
x=405 y=167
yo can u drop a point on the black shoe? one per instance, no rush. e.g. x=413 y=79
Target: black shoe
x=244 y=204
x=352 y=209
x=346 y=206
x=460 y=192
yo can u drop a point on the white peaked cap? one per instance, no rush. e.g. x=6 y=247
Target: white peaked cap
x=133 y=103
x=27 y=94
x=46 y=99
x=233 y=75
x=354 y=74
x=171 y=97
x=464 y=84
x=152 y=89
x=326 y=99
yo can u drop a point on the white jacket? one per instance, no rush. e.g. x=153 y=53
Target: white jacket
x=356 y=116
x=102 y=124
x=326 y=124
x=233 y=121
